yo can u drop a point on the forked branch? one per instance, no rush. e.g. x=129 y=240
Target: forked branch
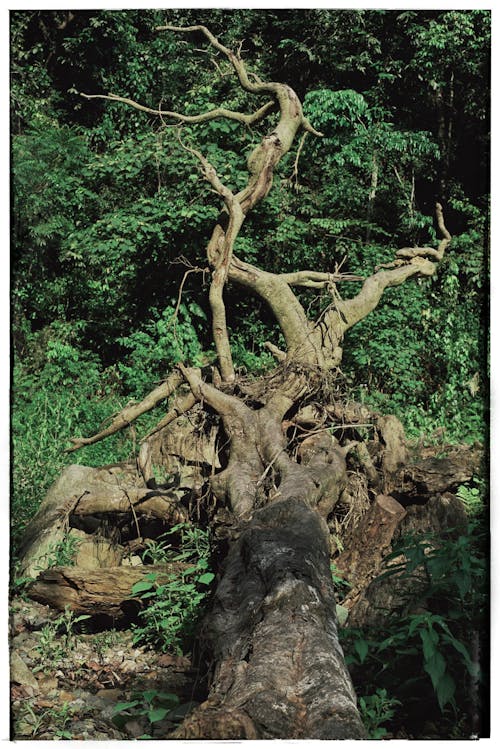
x=349 y=312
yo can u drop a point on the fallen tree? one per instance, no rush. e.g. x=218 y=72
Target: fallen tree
x=276 y=478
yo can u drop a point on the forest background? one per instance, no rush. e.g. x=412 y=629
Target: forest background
x=108 y=214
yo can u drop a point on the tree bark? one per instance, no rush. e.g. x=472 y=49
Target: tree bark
x=272 y=632
x=105 y=591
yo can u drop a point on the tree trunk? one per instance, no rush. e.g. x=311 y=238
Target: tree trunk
x=272 y=633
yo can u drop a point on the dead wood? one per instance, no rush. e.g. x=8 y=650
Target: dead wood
x=81 y=491
x=441 y=517
x=368 y=543
x=273 y=637
x=279 y=671
x=106 y=591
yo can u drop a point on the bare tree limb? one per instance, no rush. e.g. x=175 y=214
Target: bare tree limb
x=221 y=262
x=181 y=405
x=125 y=417
x=245 y=119
x=348 y=312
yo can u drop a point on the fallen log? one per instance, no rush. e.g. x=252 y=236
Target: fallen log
x=80 y=491
x=367 y=545
x=381 y=597
x=104 y=591
x=272 y=632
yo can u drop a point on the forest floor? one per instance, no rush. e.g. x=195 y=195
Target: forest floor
x=68 y=685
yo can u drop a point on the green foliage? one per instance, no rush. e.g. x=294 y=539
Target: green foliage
x=109 y=211
x=473 y=497
x=57 y=638
x=63 y=553
x=56 y=720
x=169 y=338
x=449 y=575
x=171 y=609
x=154 y=705
x=376 y=709
x=49 y=407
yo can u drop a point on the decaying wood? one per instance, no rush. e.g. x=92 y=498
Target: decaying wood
x=368 y=543
x=272 y=633
x=94 y=552
x=82 y=491
x=50 y=523
x=95 y=591
x=441 y=516
x=438 y=475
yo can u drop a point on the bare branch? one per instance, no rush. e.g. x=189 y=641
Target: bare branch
x=125 y=417
x=237 y=63
x=349 y=312
x=317 y=279
x=228 y=406
x=275 y=351
x=356 y=309
x=221 y=262
x=409 y=252
x=294 y=177
x=245 y=119
x=181 y=405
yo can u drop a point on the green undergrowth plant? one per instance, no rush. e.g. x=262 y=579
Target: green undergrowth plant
x=63 y=553
x=377 y=709
x=57 y=639
x=172 y=609
x=54 y=399
x=55 y=721
x=426 y=654
x=154 y=706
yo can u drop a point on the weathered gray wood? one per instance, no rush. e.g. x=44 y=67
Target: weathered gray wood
x=272 y=632
x=367 y=544
x=49 y=525
x=81 y=491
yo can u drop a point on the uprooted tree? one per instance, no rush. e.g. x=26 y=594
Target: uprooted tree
x=262 y=456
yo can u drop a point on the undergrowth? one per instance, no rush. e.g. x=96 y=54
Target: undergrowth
x=430 y=657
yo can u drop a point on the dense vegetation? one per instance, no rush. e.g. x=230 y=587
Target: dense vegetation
x=109 y=218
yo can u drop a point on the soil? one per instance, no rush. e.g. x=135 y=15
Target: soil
x=69 y=687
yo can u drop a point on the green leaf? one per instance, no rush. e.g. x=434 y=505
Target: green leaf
x=149 y=695
x=120 y=707
x=445 y=691
x=156 y=714
x=435 y=667
x=429 y=638
x=342 y=614
x=206 y=578
x=361 y=648
x=141 y=587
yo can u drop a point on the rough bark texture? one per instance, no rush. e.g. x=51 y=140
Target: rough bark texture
x=379 y=598
x=368 y=544
x=273 y=634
